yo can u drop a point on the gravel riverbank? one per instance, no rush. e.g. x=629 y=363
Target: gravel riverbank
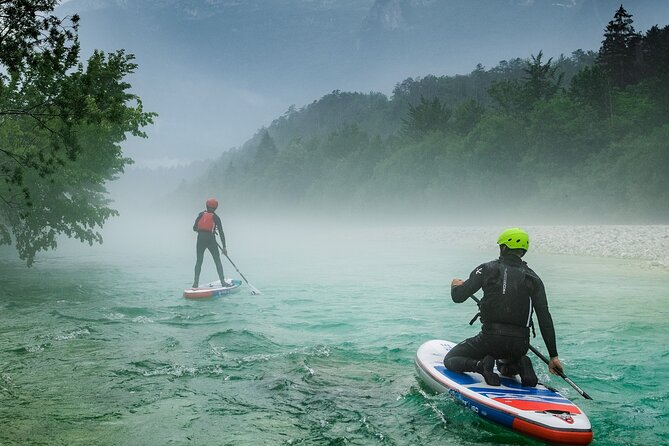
x=649 y=243
x=646 y=243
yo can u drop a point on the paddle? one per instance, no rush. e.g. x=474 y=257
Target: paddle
x=254 y=290
x=544 y=359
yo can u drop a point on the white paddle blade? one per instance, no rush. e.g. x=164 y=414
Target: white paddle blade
x=254 y=290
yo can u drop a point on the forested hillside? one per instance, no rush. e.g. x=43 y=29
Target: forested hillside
x=585 y=135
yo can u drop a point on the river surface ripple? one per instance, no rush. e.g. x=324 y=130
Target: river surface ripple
x=101 y=349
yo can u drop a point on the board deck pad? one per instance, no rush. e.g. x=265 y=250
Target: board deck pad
x=213 y=289
x=540 y=412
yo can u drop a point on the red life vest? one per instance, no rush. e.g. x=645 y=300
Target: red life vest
x=206 y=222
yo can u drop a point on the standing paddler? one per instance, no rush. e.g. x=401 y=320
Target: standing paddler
x=206 y=224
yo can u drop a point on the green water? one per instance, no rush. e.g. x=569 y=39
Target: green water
x=98 y=347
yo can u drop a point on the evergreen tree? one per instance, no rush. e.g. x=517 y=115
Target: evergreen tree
x=428 y=116
x=655 y=68
x=466 y=116
x=266 y=150
x=540 y=82
x=591 y=87
x=618 y=52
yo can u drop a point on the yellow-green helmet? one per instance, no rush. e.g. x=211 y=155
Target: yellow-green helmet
x=514 y=238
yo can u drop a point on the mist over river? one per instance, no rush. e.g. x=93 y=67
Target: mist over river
x=98 y=346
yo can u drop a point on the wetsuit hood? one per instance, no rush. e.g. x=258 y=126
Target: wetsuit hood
x=512 y=259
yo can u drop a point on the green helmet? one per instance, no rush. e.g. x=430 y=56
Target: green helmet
x=514 y=238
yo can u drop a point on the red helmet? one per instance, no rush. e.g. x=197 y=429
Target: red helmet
x=212 y=203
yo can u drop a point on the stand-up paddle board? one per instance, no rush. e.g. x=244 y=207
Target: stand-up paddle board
x=539 y=412
x=213 y=289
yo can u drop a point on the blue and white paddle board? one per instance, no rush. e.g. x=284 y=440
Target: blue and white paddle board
x=539 y=412
x=213 y=289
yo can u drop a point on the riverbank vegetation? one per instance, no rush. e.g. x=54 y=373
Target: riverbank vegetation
x=61 y=124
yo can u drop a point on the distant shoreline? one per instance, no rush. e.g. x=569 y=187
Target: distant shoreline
x=647 y=243
x=639 y=242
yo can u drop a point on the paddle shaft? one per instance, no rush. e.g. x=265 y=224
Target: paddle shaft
x=233 y=264
x=547 y=361
x=253 y=289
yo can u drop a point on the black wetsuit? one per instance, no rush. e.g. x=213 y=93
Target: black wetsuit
x=207 y=240
x=511 y=293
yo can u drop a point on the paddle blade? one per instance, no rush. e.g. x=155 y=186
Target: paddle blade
x=254 y=290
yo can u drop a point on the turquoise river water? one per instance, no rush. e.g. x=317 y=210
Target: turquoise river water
x=98 y=347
